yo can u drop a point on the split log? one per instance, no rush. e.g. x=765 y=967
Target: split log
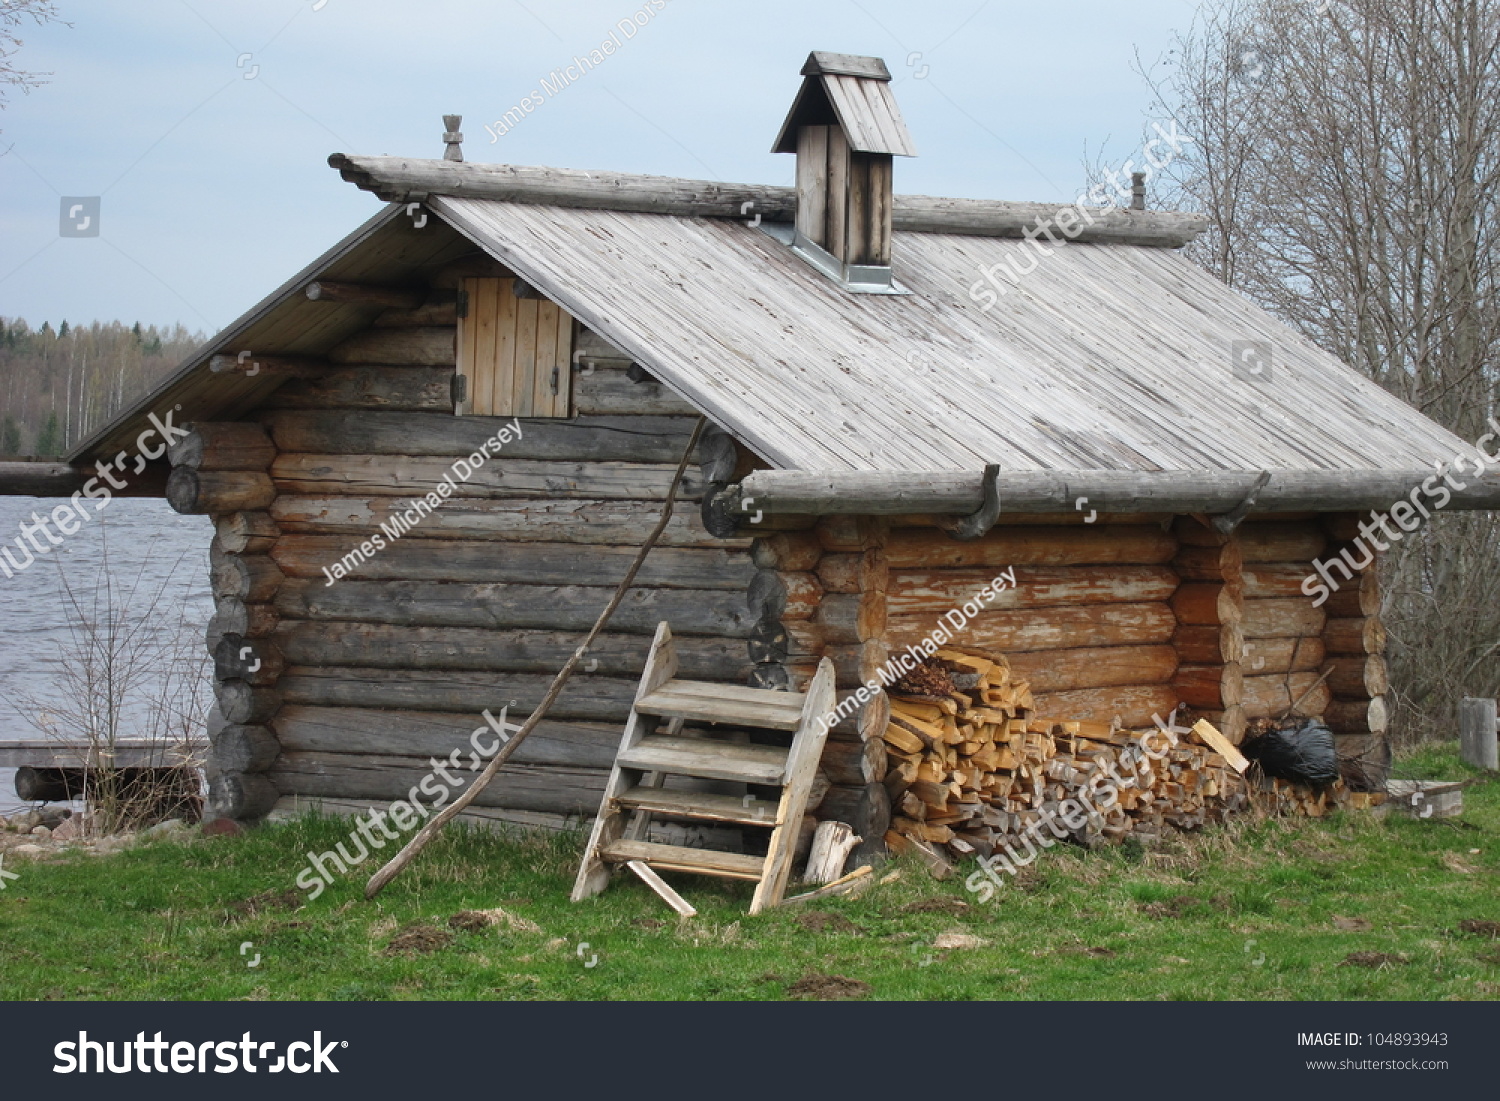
x=387 y=646
x=719 y=612
x=429 y=346
x=854 y=762
x=405 y=389
x=790 y=552
x=194 y=493
x=223 y=445
x=865 y=808
x=914 y=591
x=246 y=532
x=626 y=523
x=549 y=788
x=646 y=440
x=1123 y=544
x=1282 y=618
x=252 y=578
x=240 y=796
x=1094 y=667
x=1354 y=636
x=418 y=476
x=1270 y=696
x=831 y=846
x=414 y=559
x=1057 y=629
x=1206 y=603
x=436 y=734
x=1209 y=643
x=1358 y=677
x=1215 y=687
x=1134 y=705
x=244 y=704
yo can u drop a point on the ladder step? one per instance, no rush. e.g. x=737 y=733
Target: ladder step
x=704 y=701
x=751 y=764
x=697 y=804
x=678 y=858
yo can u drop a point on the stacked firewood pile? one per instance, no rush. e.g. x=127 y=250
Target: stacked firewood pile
x=972 y=769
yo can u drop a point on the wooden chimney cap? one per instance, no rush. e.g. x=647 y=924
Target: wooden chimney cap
x=853 y=93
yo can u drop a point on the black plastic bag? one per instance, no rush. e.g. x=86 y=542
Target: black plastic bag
x=1304 y=754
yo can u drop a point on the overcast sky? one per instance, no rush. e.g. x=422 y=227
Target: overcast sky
x=204 y=126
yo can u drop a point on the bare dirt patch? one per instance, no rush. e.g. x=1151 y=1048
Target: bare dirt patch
x=954 y=907
x=814 y=987
x=419 y=939
x=1373 y=960
x=1479 y=928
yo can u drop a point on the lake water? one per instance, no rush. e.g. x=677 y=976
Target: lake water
x=143 y=550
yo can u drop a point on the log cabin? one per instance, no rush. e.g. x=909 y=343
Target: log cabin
x=430 y=455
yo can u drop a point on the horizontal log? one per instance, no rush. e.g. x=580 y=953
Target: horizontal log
x=885 y=493
x=1094 y=667
x=1271 y=696
x=1213 y=687
x=602 y=391
x=648 y=440
x=626 y=523
x=246 y=532
x=866 y=808
x=1282 y=542
x=366 y=294
x=1282 y=618
x=1231 y=722
x=245 y=704
x=258 y=662
x=1219 y=563
x=254 y=365
x=1282 y=655
x=234 y=616
x=223 y=445
x=417 y=476
x=855 y=763
x=1124 y=544
x=774 y=595
x=1358 y=677
x=1057 y=629
x=854 y=573
x=914 y=591
x=1354 y=636
x=40 y=479
x=252 y=578
x=1206 y=603
x=587 y=696
x=851 y=617
x=1276 y=580
x=241 y=796
x=862 y=721
x=551 y=788
x=239 y=748
x=397 y=178
x=1356 y=601
x=390 y=389
x=848 y=534
x=441 y=308
x=525 y=651
x=360 y=730
x=293 y=807
x=193 y=492
x=718 y=613
x=1357 y=716
x=428 y=346
x=787 y=551
x=1134 y=706
x=413 y=559
x=1209 y=644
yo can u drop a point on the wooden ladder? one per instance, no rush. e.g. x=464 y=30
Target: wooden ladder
x=645 y=759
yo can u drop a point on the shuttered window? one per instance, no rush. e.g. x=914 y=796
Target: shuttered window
x=515 y=354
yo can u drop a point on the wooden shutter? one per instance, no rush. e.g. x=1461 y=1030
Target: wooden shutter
x=515 y=353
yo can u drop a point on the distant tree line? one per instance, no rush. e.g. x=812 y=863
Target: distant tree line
x=58 y=385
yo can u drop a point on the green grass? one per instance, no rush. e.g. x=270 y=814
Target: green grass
x=1244 y=912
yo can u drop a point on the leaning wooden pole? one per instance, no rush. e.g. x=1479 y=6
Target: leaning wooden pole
x=398 y=862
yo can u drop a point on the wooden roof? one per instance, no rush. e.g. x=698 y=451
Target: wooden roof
x=854 y=92
x=1105 y=357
